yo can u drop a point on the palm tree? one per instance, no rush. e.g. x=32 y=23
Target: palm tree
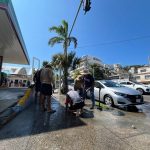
x=64 y=39
x=58 y=61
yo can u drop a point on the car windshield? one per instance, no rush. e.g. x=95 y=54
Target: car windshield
x=111 y=83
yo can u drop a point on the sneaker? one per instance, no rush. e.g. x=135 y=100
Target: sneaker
x=43 y=109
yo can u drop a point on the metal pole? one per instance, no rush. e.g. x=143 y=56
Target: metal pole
x=99 y=106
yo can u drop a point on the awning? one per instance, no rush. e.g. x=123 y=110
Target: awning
x=12 y=46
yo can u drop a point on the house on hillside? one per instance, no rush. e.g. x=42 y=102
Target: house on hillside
x=142 y=74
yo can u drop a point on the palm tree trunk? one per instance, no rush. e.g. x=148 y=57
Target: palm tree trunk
x=65 y=70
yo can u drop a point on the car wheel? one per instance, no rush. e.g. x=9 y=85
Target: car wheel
x=141 y=91
x=108 y=101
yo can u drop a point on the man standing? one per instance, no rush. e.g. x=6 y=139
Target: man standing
x=37 y=82
x=46 y=79
x=88 y=82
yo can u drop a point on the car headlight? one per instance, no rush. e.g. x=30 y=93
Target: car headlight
x=121 y=94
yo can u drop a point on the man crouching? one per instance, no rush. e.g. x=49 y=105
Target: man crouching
x=74 y=102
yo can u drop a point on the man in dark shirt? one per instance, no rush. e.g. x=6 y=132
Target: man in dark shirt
x=88 y=85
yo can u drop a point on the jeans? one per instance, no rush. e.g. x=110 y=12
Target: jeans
x=91 y=90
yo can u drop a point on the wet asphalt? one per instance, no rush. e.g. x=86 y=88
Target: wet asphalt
x=9 y=96
x=111 y=129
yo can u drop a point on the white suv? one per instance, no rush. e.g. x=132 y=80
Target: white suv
x=138 y=86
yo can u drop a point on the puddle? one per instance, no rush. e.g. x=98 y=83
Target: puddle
x=118 y=113
x=6 y=113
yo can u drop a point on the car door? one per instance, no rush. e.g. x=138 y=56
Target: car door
x=96 y=90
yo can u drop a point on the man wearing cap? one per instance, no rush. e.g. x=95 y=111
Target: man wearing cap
x=88 y=82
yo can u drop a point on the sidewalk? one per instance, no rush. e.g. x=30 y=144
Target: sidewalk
x=95 y=130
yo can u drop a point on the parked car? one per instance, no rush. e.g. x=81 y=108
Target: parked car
x=137 y=86
x=112 y=93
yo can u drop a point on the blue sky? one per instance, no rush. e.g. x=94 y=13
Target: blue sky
x=97 y=31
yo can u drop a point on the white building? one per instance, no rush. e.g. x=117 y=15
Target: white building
x=133 y=70
x=117 y=68
x=17 y=75
x=143 y=74
x=86 y=61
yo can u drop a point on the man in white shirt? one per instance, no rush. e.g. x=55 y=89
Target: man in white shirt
x=73 y=98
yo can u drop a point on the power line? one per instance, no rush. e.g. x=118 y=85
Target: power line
x=114 y=42
x=76 y=17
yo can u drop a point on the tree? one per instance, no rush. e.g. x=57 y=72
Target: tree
x=58 y=61
x=107 y=73
x=64 y=39
x=97 y=72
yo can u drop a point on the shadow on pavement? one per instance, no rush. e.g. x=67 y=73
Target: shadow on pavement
x=32 y=121
x=87 y=114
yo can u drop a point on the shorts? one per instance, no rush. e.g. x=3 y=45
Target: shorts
x=37 y=87
x=77 y=106
x=46 y=89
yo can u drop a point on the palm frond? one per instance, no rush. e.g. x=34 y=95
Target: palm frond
x=74 y=40
x=55 y=40
x=65 y=25
x=59 y=30
x=58 y=60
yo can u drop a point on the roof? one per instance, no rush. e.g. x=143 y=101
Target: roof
x=12 y=46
